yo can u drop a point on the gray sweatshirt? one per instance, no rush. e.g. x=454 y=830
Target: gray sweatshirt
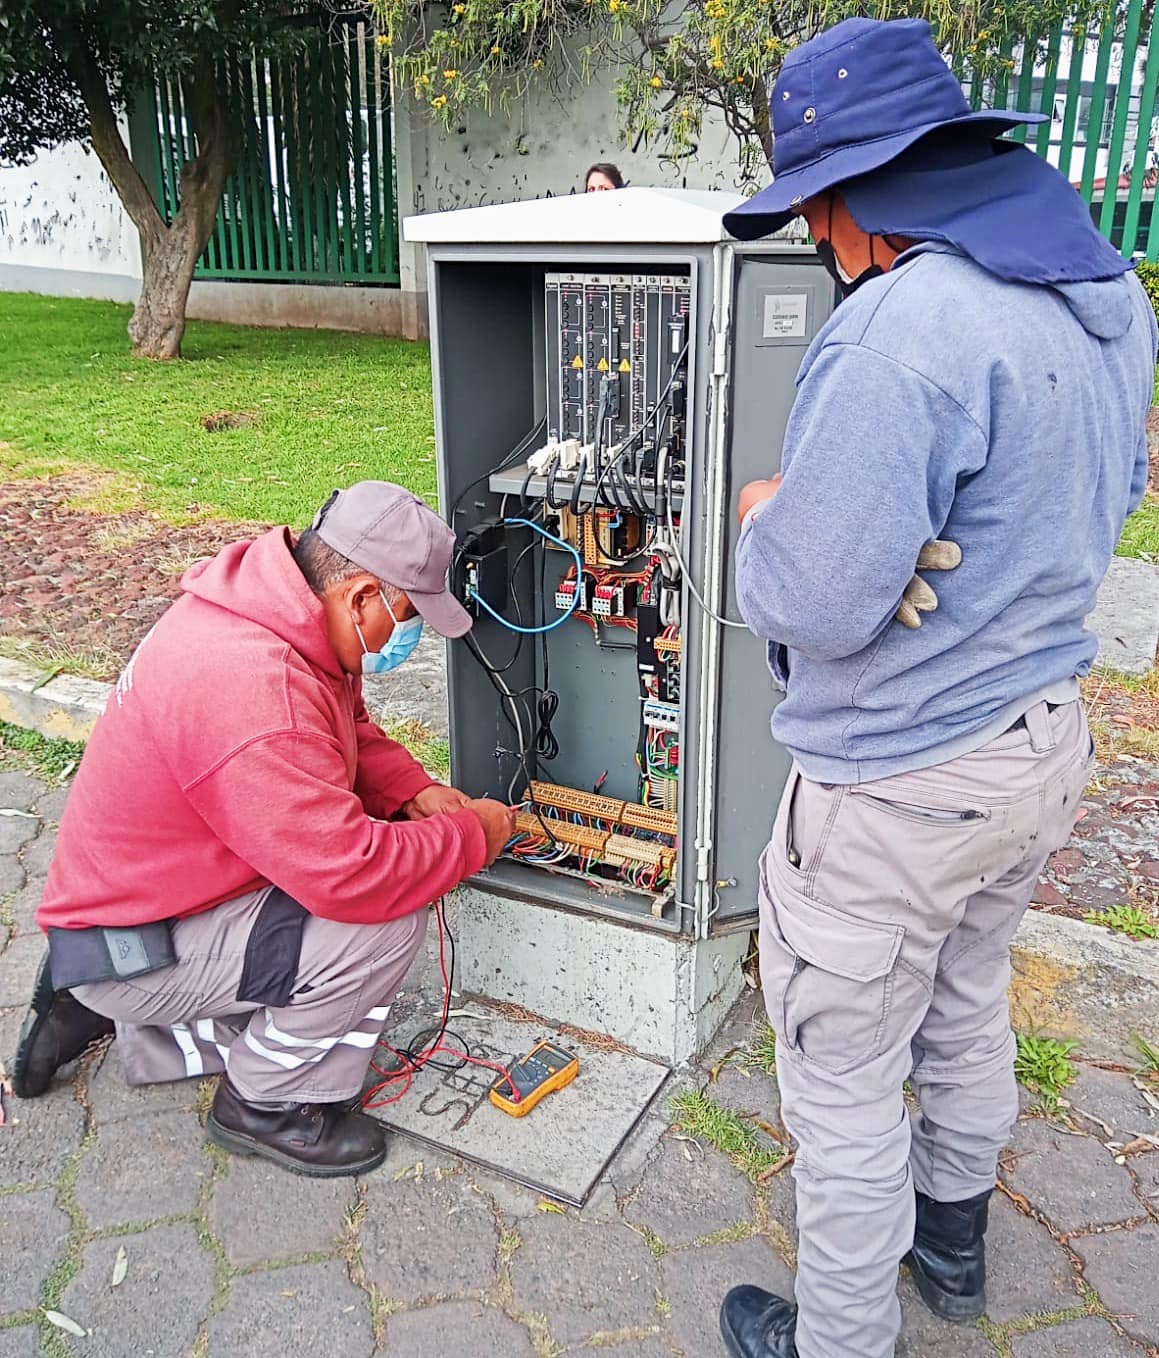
x=940 y=401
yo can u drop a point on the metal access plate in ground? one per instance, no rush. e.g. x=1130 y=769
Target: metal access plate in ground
x=564 y=1144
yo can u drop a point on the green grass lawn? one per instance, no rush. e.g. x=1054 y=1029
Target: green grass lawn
x=1141 y=535
x=328 y=408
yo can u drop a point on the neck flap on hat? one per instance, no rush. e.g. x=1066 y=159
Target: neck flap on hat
x=999 y=203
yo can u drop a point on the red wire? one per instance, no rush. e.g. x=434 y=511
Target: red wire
x=410 y=1068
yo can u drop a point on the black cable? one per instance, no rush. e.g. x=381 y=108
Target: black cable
x=625 y=449
x=632 y=489
x=546 y=745
x=577 y=486
x=524 y=443
x=549 y=488
x=524 y=502
x=508 y=696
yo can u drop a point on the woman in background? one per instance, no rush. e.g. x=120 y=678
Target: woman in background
x=602 y=177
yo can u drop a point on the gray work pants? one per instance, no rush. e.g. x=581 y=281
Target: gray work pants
x=186 y=1020
x=887 y=911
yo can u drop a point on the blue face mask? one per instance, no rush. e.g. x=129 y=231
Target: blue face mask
x=399 y=644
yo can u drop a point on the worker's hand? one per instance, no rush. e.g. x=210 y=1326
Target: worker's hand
x=436 y=800
x=919 y=598
x=498 y=822
x=754 y=493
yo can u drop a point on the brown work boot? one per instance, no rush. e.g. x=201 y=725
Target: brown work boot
x=324 y=1140
x=56 y=1031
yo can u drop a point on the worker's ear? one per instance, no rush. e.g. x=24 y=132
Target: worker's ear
x=359 y=594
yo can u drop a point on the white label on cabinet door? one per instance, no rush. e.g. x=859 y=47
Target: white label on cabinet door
x=785 y=315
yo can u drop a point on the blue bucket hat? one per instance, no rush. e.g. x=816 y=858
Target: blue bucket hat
x=849 y=101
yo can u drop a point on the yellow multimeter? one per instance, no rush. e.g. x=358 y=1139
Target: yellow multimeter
x=545 y=1068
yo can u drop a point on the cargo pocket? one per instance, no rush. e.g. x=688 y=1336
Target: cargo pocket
x=835 y=975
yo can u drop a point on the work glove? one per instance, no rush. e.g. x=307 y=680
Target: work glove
x=919 y=597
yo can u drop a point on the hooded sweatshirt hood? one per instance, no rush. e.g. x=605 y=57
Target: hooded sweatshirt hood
x=259 y=581
x=235 y=753
x=1103 y=309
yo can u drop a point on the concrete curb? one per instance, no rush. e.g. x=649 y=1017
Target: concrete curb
x=65 y=706
x=1072 y=979
x=1126 y=616
x=1069 y=979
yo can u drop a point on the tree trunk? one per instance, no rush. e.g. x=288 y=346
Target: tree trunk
x=170 y=250
x=158 y=321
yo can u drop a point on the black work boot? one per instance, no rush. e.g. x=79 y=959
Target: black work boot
x=756 y=1324
x=948 y=1259
x=56 y=1031
x=323 y=1140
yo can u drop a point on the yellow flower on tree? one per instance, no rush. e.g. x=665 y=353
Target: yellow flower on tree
x=656 y=82
x=451 y=74
x=439 y=101
x=496 y=51
x=717 y=65
x=458 y=9
x=382 y=40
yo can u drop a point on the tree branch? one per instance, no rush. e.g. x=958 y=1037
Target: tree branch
x=106 y=136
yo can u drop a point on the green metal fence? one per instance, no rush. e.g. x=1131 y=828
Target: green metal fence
x=312 y=198
x=1098 y=90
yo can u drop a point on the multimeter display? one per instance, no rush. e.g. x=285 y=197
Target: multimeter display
x=545 y=1068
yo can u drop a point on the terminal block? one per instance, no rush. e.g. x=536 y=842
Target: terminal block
x=622 y=850
x=649 y=818
x=564 y=831
x=582 y=803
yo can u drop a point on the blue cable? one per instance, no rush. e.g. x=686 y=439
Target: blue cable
x=550 y=626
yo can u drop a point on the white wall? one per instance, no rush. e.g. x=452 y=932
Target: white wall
x=63 y=230
x=543 y=145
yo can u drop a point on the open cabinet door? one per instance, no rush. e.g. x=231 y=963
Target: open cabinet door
x=779 y=303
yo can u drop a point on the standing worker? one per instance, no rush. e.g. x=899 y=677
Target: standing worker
x=985 y=381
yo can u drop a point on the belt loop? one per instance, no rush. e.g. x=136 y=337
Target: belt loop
x=1038 y=723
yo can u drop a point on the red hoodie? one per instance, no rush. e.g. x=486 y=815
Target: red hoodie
x=236 y=752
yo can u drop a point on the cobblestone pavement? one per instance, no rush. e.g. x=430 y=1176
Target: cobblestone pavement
x=115 y=1216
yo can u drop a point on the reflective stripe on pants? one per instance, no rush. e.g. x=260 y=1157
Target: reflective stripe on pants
x=186 y=1020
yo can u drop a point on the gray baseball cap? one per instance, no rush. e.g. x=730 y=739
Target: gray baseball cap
x=390 y=533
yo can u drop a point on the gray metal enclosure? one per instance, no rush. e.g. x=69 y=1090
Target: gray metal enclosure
x=753 y=312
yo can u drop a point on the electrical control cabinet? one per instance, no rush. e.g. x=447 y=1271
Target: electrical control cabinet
x=606 y=377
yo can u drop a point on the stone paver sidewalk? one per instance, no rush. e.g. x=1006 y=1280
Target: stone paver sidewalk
x=428 y=1257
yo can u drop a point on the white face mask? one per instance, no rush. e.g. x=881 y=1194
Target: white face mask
x=399 y=645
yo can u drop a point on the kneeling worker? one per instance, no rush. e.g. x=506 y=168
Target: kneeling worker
x=245 y=861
